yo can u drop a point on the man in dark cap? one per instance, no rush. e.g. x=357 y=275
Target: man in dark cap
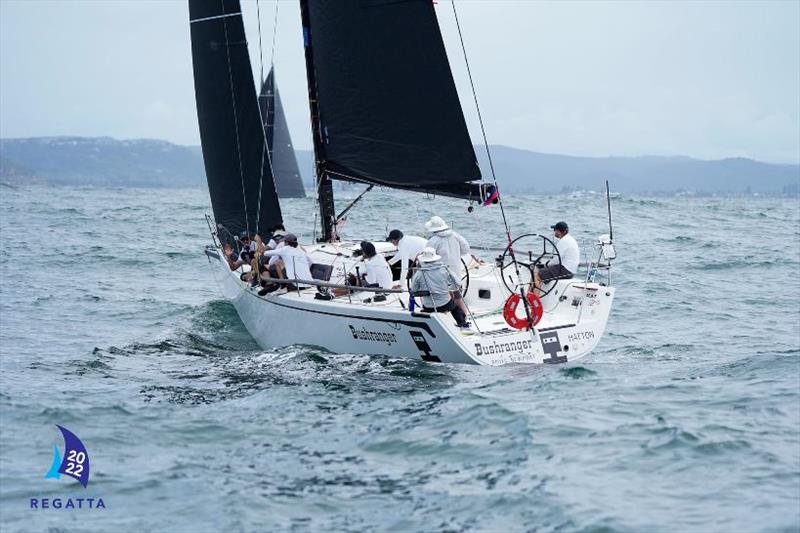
x=277 y=233
x=570 y=254
x=296 y=262
x=377 y=272
x=247 y=248
x=408 y=247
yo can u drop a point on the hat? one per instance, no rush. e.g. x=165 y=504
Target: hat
x=290 y=237
x=560 y=226
x=436 y=224
x=394 y=235
x=368 y=248
x=428 y=255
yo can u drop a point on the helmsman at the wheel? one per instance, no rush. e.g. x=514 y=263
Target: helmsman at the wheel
x=570 y=255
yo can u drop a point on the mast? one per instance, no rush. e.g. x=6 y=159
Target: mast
x=327 y=209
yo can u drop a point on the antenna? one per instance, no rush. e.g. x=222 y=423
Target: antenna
x=608 y=202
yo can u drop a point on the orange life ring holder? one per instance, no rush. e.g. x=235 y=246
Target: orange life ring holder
x=510 y=311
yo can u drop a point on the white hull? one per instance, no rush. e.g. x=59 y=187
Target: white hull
x=574 y=320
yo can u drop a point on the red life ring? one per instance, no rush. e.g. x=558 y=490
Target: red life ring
x=510 y=311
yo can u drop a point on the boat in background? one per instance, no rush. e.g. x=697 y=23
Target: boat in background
x=384 y=111
x=288 y=181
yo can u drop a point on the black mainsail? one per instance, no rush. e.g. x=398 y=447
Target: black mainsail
x=288 y=182
x=384 y=105
x=238 y=169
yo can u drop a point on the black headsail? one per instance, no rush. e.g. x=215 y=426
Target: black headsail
x=284 y=163
x=383 y=99
x=234 y=151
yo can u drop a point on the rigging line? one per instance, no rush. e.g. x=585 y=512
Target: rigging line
x=268 y=153
x=261 y=81
x=353 y=203
x=260 y=49
x=235 y=117
x=491 y=167
x=274 y=34
x=480 y=117
x=270 y=104
x=265 y=152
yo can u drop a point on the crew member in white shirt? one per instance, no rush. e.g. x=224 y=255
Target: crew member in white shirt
x=275 y=242
x=408 y=247
x=448 y=244
x=451 y=246
x=296 y=262
x=570 y=254
x=378 y=271
x=278 y=233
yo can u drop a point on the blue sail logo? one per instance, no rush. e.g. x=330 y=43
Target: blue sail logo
x=75 y=463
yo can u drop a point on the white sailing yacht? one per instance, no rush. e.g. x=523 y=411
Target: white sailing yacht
x=384 y=111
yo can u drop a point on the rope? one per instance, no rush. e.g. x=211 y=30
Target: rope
x=261 y=80
x=265 y=152
x=480 y=119
x=274 y=34
x=491 y=164
x=260 y=50
x=235 y=117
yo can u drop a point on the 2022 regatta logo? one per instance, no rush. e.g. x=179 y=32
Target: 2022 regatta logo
x=75 y=464
x=76 y=459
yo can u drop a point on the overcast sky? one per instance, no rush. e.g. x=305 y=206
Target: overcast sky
x=704 y=79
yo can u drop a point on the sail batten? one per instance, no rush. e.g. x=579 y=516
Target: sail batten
x=389 y=112
x=238 y=171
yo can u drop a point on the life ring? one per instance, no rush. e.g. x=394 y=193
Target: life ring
x=510 y=311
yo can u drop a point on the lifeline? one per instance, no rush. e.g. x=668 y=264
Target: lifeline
x=69 y=503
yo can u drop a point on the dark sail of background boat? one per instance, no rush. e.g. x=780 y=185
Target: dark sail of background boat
x=288 y=181
x=237 y=166
x=389 y=109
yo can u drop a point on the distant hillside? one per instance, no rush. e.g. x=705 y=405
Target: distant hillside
x=104 y=161
x=12 y=173
x=525 y=171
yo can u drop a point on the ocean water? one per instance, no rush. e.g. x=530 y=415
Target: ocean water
x=685 y=418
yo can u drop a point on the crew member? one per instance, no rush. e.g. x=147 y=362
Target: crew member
x=436 y=284
x=378 y=272
x=570 y=254
x=278 y=232
x=408 y=247
x=450 y=246
x=296 y=261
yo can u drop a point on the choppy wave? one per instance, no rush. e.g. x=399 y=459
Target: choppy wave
x=689 y=408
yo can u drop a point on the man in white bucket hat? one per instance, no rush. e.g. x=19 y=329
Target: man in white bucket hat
x=436 y=284
x=451 y=246
x=448 y=244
